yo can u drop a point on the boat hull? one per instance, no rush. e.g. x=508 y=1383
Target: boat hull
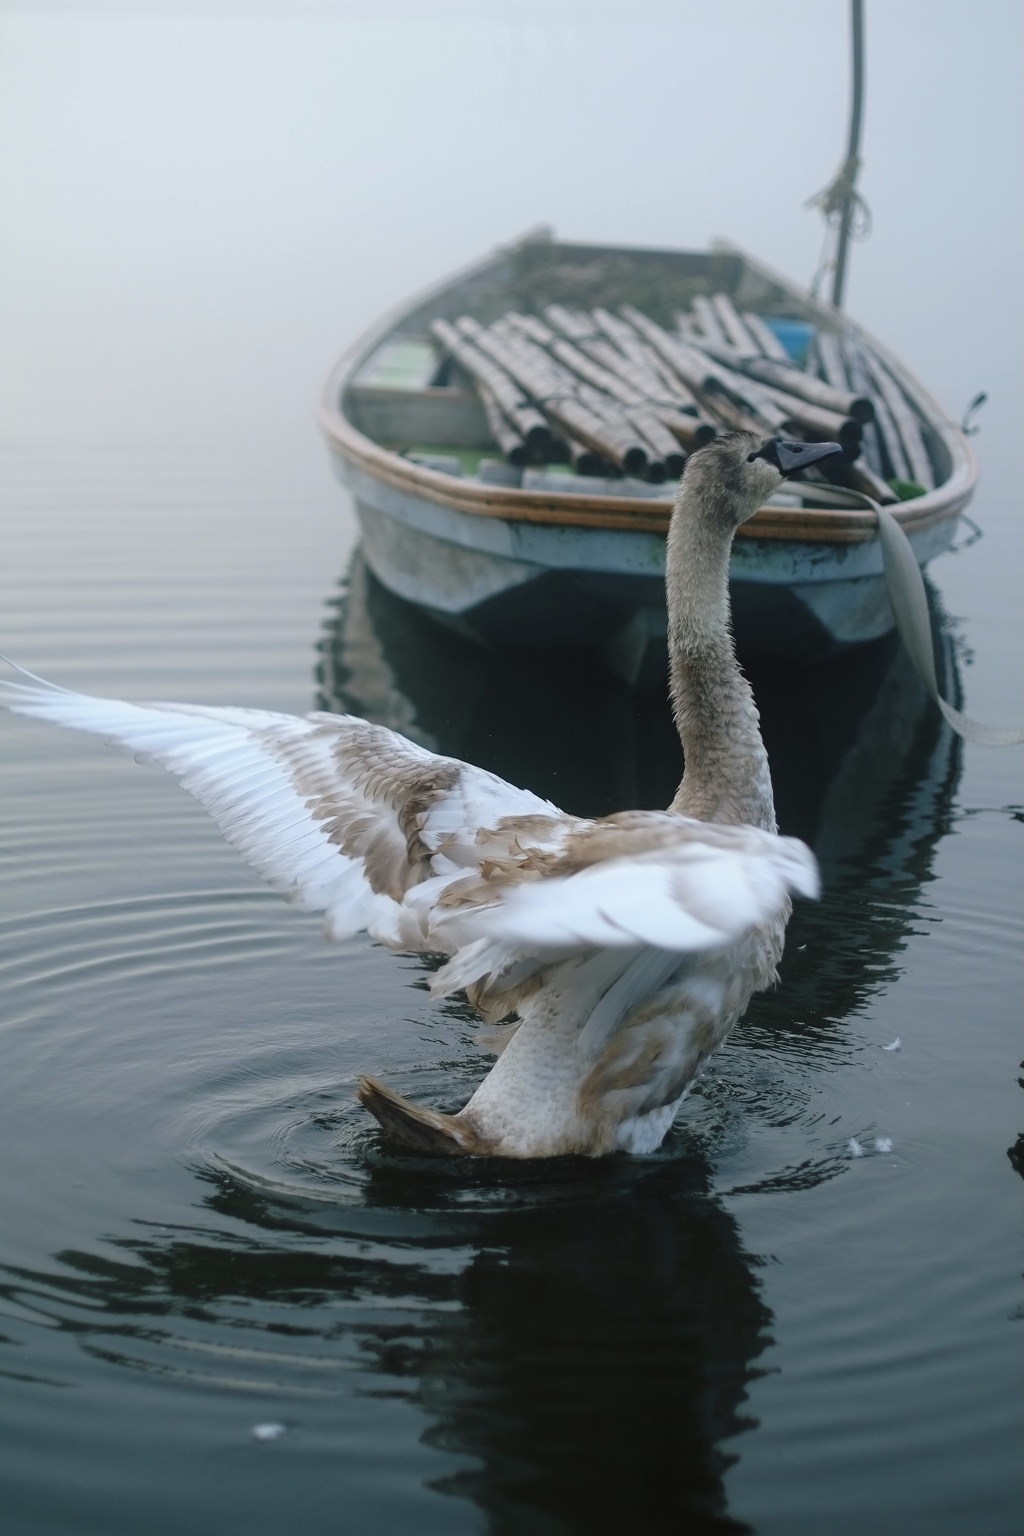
x=505 y=582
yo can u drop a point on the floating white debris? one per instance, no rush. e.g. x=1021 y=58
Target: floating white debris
x=268 y=1431
x=883 y=1143
x=895 y=1045
x=854 y=1147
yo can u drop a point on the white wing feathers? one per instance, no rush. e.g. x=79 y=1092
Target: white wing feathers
x=339 y=815
x=687 y=895
x=426 y=852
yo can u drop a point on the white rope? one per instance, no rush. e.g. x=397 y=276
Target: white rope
x=910 y=607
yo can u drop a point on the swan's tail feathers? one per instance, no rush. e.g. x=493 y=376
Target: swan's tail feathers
x=413 y=1126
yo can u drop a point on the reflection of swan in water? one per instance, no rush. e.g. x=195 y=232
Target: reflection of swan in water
x=627 y=946
x=565 y=1347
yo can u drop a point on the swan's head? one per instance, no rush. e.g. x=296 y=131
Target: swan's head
x=736 y=473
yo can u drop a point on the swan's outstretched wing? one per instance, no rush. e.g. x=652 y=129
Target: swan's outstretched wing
x=339 y=815
x=426 y=852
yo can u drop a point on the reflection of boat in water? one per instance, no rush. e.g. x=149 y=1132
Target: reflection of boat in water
x=562 y=1351
x=543 y=558
x=863 y=765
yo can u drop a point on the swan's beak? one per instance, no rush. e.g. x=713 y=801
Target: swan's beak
x=792 y=456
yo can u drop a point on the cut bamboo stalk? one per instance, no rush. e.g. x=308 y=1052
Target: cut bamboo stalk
x=706 y=316
x=766 y=338
x=623 y=335
x=635 y=344
x=735 y=330
x=855 y=477
x=580 y=412
x=660 y=382
x=816 y=421
x=656 y=413
x=683 y=396
x=504 y=434
x=585 y=461
x=696 y=368
x=635 y=374
x=524 y=418
x=880 y=433
x=761 y=402
x=906 y=421
x=714 y=381
x=663 y=444
x=687 y=327
x=594 y=373
x=816 y=391
x=528 y=325
x=771 y=407
x=577 y=327
x=734 y=417
x=793 y=381
x=595 y=359
x=677 y=355
x=863 y=478
x=830 y=358
x=692 y=431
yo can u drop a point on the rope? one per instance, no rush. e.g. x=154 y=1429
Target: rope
x=910 y=607
x=832 y=201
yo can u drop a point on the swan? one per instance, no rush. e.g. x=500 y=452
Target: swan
x=610 y=956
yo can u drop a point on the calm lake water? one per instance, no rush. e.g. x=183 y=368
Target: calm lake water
x=201 y=1234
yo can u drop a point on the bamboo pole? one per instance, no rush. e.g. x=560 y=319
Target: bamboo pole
x=692 y=431
x=735 y=331
x=664 y=445
x=766 y=338
x=921 y=471
x=795 y=382
x=876 y=449
x=684 y=397
x=585 y=461
x=569 y=404
x=697 y=370
x=764 y=405
x=634 y=347
x=576 y=327
x=527 y=325
x=711 y=379
x=879 y=433
x=674 y=353
x=706 y=316
x=653 y=410
x=817 y=422
x=524 y=418
x=594 y=373
x=504 y=434
x=864 y=478
x=829 y=356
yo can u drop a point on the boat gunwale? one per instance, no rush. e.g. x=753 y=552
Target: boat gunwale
x=638 y=514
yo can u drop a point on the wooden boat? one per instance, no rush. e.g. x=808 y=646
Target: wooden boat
x=543 y=557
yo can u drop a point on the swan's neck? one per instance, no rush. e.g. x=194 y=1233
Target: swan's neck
x=726 y=776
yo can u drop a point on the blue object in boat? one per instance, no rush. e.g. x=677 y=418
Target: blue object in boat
x=795 y=335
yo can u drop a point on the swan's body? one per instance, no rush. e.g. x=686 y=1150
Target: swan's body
x=626 y=947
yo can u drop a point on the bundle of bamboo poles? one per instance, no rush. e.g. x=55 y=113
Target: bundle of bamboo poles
x=620 y=394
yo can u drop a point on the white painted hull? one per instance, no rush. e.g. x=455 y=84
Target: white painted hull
x=505 y=582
